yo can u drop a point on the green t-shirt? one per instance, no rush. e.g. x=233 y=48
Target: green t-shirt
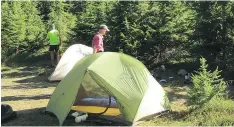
x=53 y=37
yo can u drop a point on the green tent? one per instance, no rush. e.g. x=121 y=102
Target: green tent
x=137 y=94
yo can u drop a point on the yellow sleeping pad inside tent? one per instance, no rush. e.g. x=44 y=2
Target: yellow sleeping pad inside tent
x=97 y=109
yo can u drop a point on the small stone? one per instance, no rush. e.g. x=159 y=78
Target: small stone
x=163 y=68
x=182 y=72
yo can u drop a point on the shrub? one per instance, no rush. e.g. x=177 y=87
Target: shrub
x=207 y=86
x=216 y=112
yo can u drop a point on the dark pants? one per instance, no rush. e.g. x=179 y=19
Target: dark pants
x=54 y=48
x=54 y=51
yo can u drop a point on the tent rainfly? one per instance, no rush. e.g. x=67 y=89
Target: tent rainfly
x=73 y=54
x=137 y=94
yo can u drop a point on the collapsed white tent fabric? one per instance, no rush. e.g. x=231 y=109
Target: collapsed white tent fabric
x=73 y=54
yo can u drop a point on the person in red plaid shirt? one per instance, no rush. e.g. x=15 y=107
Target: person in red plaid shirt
x=97 y=42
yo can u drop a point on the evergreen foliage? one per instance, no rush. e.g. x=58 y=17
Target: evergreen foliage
x=151 y=31
x=207 y=86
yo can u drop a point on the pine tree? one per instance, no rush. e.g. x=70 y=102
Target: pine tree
x=44 y=9
x=64 y=20
x=207 y=86
x=22 y=27
x=4 y=25
x=214 y=30
x=122 y=19
x=94 y=14
x=35 y=30
x=166 y=25
x=147 y=29
x=13 y=26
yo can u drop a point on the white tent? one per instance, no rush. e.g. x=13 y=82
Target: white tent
x=73 y=54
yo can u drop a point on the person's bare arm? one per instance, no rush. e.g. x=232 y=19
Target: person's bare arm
x=94 y=50
x=48 y=38
x=60 y=40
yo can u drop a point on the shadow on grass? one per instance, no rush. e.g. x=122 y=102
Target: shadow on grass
x=32 y=117
x=23 y=97
x=28 y=68
x=35 y=117
x=177 y=93
x=173 y=96
x=5 y=69
x=38 y=77
x=175 y=115
x=27 y=57
x=32 y=83
x=18 y=74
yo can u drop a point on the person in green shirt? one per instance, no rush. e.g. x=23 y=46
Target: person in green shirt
x=54 y=39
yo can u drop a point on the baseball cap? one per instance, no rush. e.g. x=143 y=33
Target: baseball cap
x=104 y=27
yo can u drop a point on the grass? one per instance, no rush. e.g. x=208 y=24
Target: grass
x=26 y=89
x=218 y=113
x=214 y=113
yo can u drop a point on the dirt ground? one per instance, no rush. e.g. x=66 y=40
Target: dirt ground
x=27 y=90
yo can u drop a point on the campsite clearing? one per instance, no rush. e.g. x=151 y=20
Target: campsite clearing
x=26 y=89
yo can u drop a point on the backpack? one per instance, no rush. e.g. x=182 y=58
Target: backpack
x=7 y=113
